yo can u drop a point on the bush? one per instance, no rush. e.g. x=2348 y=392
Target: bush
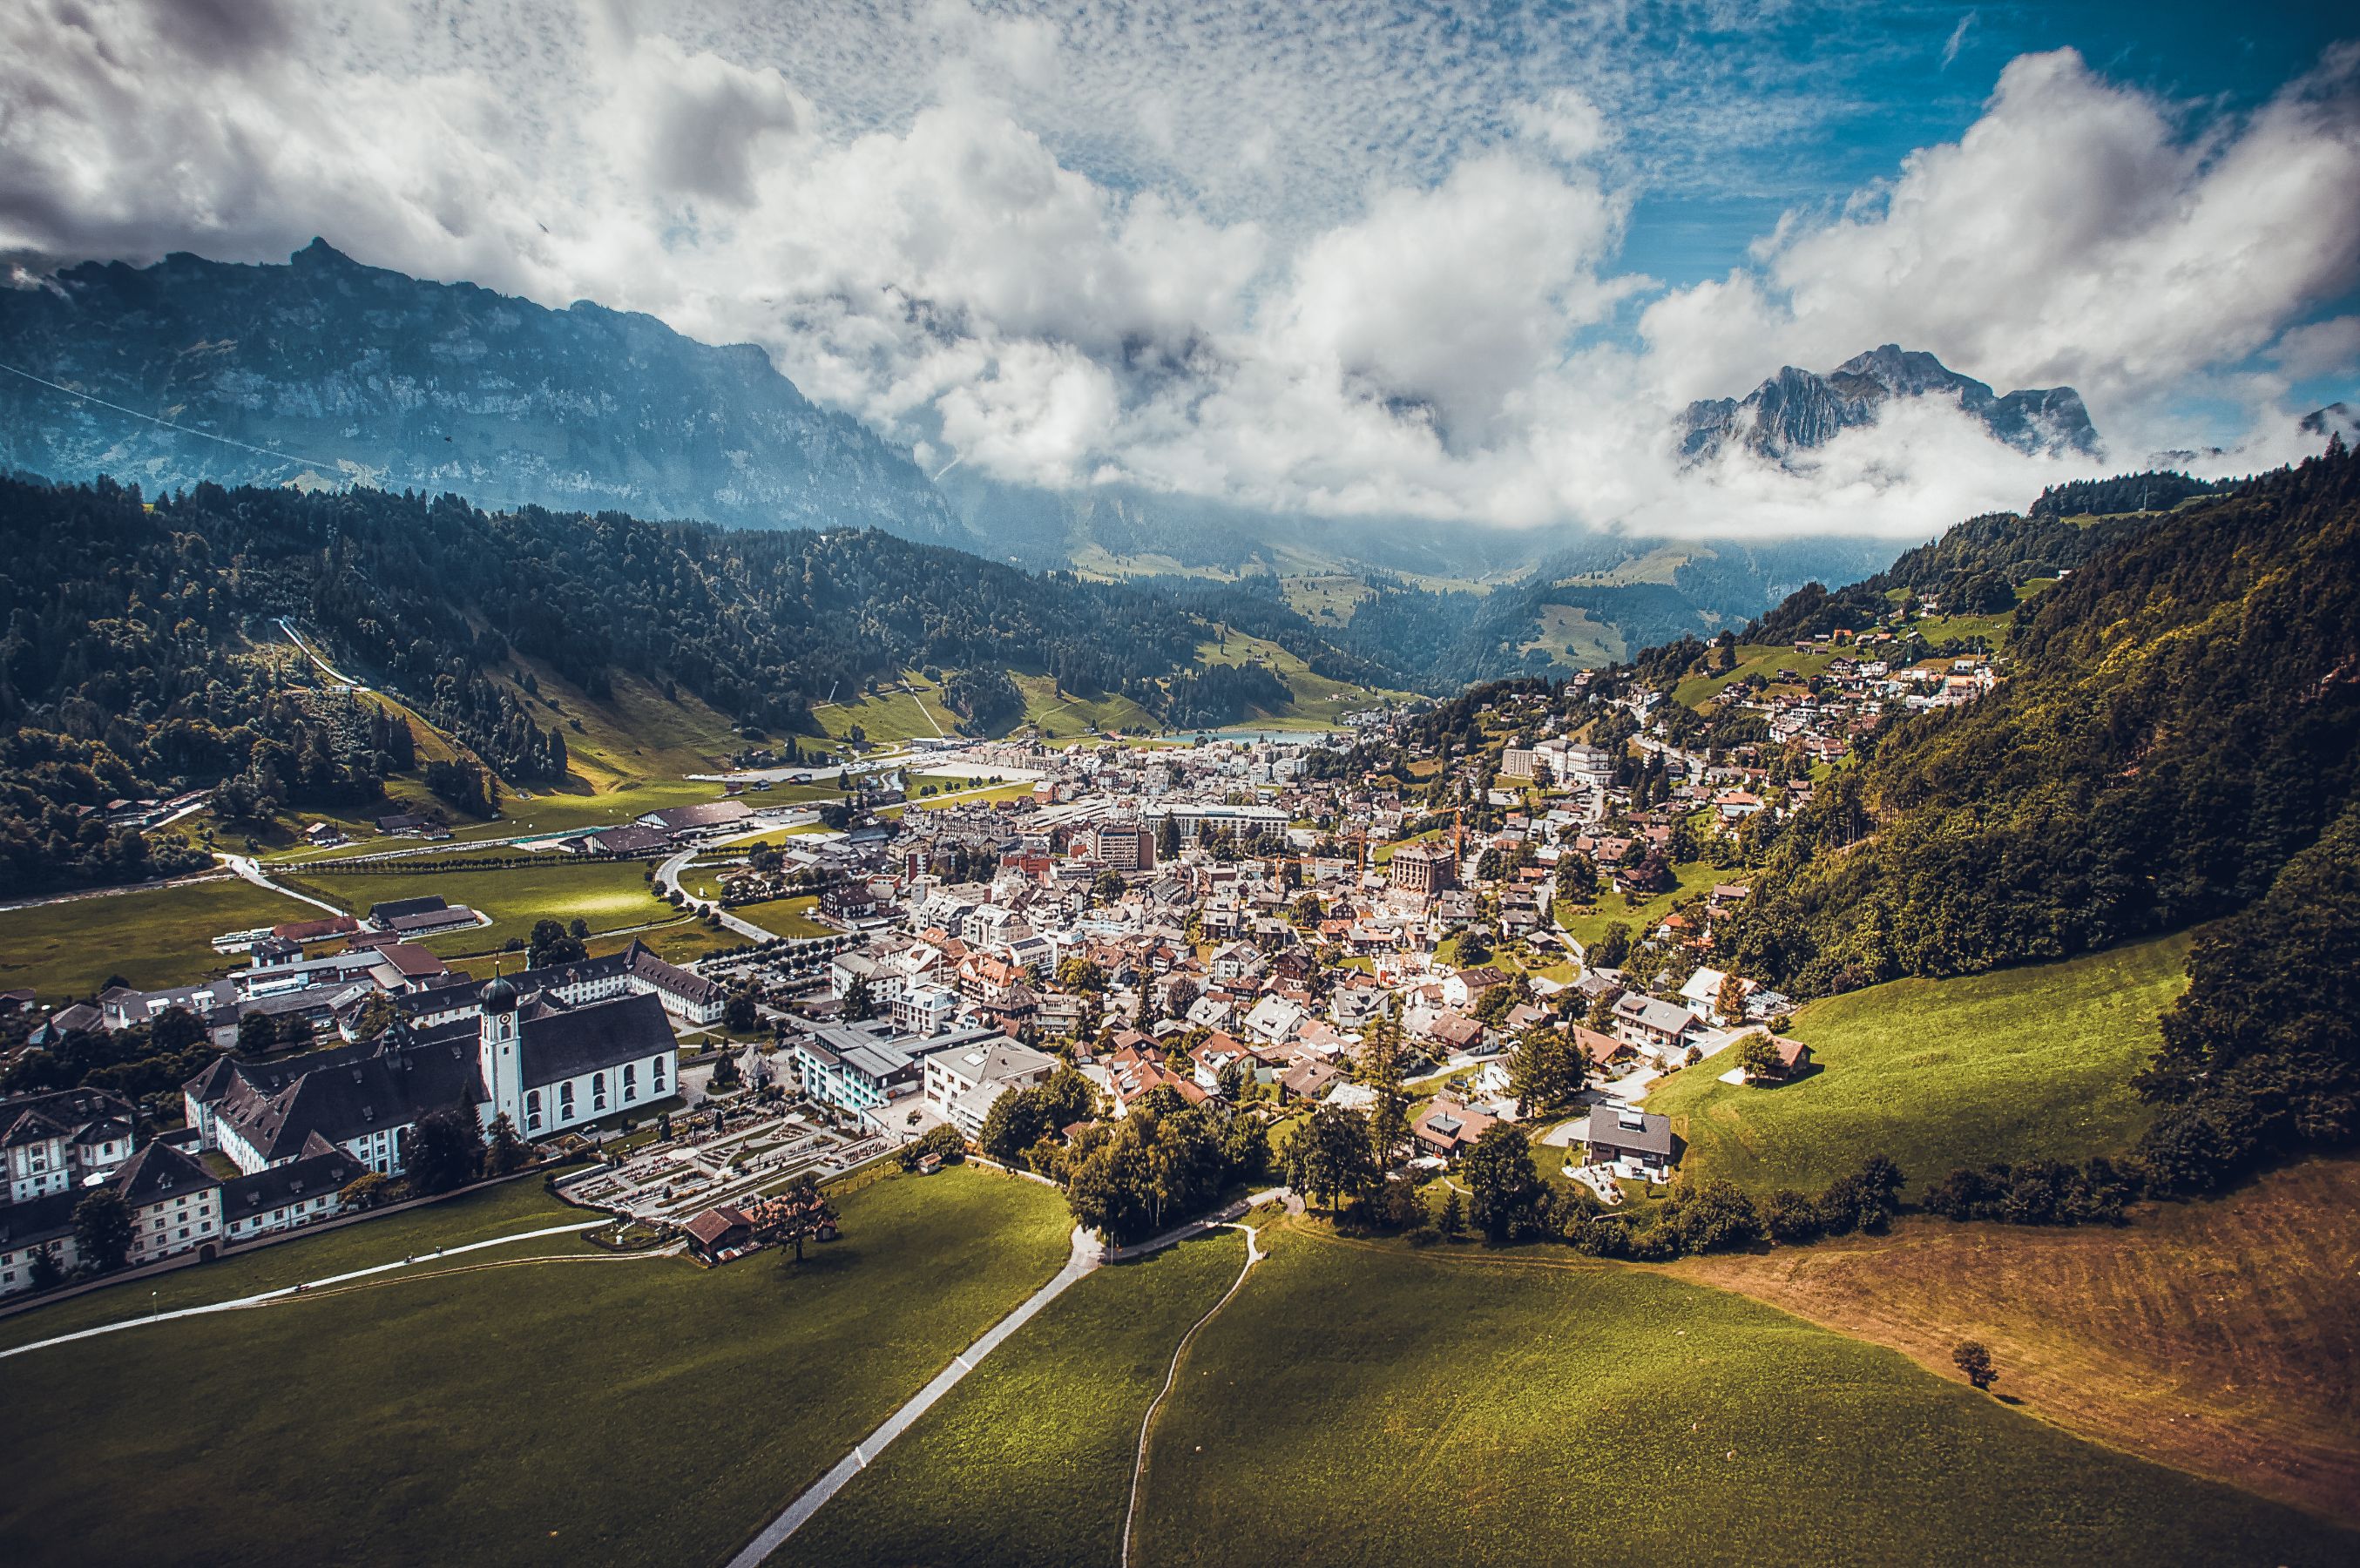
x=1791 y=1216
x=2037 y=1193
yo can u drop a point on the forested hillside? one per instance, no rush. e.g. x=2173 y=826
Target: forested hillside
x=2183 y=719
x=129 y=661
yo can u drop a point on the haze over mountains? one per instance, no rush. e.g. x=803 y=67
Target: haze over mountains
x=324 y=372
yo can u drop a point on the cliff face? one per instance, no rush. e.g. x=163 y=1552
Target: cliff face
x=1796 y=411
x=324 y=371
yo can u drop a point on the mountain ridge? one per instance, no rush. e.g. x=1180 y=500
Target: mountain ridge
x=1796 y=409
x=239 y=374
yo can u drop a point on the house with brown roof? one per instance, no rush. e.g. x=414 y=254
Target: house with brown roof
x=720 y=1233
x=1448 y=1129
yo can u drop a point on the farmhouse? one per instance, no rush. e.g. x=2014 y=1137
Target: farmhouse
x=720 y=1233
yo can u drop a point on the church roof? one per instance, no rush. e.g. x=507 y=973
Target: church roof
x=560 y=1041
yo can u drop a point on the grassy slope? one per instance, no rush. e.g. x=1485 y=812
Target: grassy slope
x=1589 y=922
x=2221 y=1337
x=2024 y=1063
x=642 y=1411
x=639 y=733
x=1029 y=1461
x=1764 y=659
x=1318 y=701
x=155 y=936
x=503 y=1210
x=891 y=715
x=1378 y=1406
x=1059 y=714
x=1571 y=637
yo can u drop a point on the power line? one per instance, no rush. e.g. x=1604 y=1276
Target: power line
x=168 y=424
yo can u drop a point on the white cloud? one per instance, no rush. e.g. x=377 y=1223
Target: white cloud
x=1336 y=265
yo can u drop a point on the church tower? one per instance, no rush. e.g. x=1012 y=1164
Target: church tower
x=499 y=1056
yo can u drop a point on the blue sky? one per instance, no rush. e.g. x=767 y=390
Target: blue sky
x=1895 y=80
x=1458 y=261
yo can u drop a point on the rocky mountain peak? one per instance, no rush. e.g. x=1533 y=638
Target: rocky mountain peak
x=1797 y=410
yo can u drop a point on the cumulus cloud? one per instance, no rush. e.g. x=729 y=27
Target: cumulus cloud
x=1368 y=267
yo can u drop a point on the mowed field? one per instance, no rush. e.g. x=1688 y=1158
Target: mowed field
x=480 y=1216
x=2032 y=1062
x=610 y=895
x=152 y=936
x=584 y=1409
x=1028 y=1462
x=1364 y=1404
x=2220 y=1337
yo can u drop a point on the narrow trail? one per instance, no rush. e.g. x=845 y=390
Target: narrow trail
x=1089 y=1255
x=308 y=1287
x=1139 y=1458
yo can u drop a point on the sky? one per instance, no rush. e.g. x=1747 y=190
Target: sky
x=1463 y=263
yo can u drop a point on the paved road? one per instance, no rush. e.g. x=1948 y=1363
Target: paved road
x=1087 y=1257
x=287 y=1290
x=668 y=881
x=243 y=865
x=1087 y=1254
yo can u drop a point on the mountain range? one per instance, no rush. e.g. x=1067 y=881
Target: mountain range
x=1796 y=409
x=324 y=372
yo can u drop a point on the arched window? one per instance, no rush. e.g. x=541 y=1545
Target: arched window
x=656 y=1072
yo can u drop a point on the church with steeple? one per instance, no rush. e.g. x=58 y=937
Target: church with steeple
x=552 y=1053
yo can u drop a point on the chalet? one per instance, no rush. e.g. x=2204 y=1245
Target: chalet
x=720 y=1234
x=1630 y=1142
x=1308 y=1080
x=1648 y=1024
x=1213 y=1057
x=1469 y=987
x=1448 y=1129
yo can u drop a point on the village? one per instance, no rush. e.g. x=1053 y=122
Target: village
x=1219 y=921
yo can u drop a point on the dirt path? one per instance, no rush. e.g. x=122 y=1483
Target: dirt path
x=1146 y=1423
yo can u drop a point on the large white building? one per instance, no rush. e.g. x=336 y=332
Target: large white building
x=547 y=1063
x=962 y=1080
